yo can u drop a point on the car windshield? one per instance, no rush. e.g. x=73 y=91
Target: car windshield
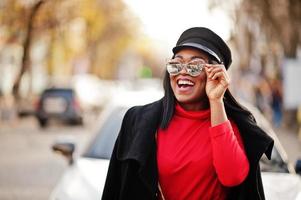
x=58 y=92
x=102 y=145
x=276 y=164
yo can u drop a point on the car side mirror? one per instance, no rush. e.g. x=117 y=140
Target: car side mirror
x=298 y=166
x=66 y=149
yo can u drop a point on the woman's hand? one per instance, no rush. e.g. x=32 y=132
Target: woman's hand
x=217 y=81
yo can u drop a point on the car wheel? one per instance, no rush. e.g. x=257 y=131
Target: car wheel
x=80 y=121
x=76 y=121
x=43 y=123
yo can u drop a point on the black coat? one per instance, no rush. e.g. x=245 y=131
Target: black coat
x=133 y=172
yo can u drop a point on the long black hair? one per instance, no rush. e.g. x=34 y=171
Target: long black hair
x=248 y=129
x=233 y=109
x=242 y=117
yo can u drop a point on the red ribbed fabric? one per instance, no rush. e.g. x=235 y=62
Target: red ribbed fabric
x=197 y=161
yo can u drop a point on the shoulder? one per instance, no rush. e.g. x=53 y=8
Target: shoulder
x=144 y=111
x=138 y=126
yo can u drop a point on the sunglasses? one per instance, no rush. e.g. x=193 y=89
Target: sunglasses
x=193 y=68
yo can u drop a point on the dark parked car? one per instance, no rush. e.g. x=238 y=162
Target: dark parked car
x=60 y=104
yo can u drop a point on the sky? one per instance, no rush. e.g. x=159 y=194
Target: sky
x=164 y=20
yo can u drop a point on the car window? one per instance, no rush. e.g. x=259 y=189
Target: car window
x=102 y=145
x=66 y=93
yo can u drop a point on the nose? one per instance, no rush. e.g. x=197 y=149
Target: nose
x=184 y=69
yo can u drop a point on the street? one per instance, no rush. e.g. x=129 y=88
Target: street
x=28 y=167
x=291 y=143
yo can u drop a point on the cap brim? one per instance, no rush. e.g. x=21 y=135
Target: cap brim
x=198 y=46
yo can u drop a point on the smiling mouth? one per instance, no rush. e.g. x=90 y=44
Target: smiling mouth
x=185 y=83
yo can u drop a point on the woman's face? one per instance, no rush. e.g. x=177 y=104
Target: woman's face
x=190 y=90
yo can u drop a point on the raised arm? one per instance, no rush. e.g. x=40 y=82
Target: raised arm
x=229 y=158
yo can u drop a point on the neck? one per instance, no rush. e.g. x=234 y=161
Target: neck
x=194 y=106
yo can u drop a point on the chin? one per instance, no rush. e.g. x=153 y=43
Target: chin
x=192 y=100
x=186 y=100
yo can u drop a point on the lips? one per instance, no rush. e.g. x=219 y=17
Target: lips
x=185 y=83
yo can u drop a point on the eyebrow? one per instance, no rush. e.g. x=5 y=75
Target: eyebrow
x=191 y=58
x=194 y=57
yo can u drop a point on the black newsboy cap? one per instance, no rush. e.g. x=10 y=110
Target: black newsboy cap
x=206 y=40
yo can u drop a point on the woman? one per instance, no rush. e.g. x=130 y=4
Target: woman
x=195 y=143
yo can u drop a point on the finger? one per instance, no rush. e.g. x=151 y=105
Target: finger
x=215 y=70
x=220 y=75
x=218 y=68
x=216 y=75
x=215 y=66
x=225 y=81
x=207 y=70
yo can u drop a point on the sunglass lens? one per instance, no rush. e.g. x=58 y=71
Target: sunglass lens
x=173 y=69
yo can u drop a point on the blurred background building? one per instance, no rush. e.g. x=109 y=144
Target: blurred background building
x=100 y=47
x=47 y=43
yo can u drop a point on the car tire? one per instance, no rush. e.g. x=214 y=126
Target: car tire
x=43 y=123
x=77 y=121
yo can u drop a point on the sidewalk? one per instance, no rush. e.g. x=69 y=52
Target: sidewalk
x=29 y=169
x=291 y=143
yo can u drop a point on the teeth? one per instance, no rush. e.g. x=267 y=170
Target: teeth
x=185 y=82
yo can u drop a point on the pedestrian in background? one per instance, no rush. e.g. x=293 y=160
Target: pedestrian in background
x=299 y=122
x=197 y=142
x=276 y=101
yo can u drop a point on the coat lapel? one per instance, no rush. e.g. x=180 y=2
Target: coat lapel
x=137 y=136
x=137 y=142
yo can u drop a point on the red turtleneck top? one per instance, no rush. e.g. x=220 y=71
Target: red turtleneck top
x=197 y=161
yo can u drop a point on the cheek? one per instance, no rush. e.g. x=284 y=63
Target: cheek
x=201 y=80
x=173 y=82
x=201 y=84
x=203 y=77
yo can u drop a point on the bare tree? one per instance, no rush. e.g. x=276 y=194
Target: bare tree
x=26 y=47
x=279 y=20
